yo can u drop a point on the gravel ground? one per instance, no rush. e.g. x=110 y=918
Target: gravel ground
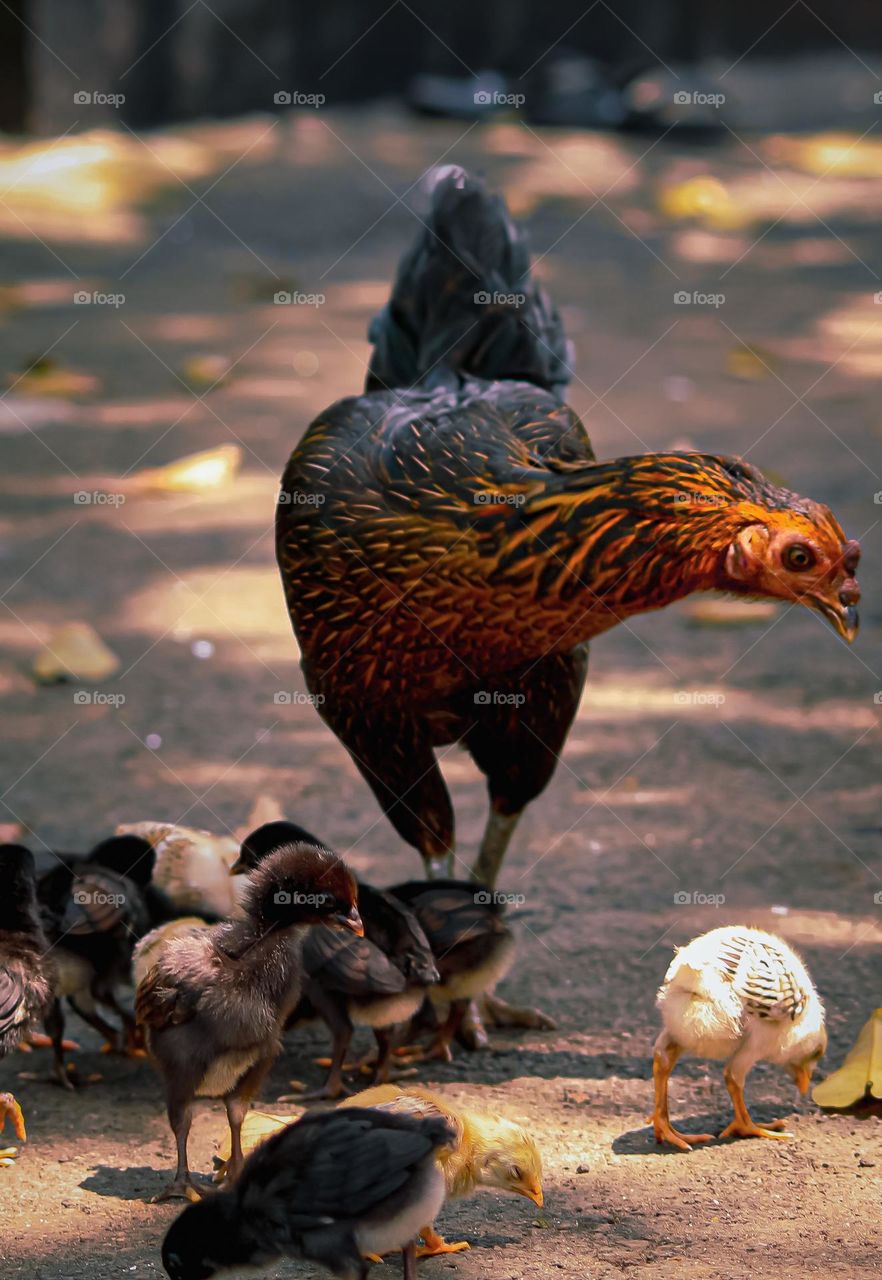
x=767 y=794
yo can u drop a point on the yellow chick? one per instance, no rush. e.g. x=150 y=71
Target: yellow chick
x=489 y=1151
x=741 y=996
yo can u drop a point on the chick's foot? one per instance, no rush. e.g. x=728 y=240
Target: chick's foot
x=746 y=1128
x=434 y=1245
x=9 y=1109
x=501 y=1014
x=180 y=1189
x=665 y=1132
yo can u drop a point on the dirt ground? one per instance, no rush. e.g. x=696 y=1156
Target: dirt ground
x=766 y=793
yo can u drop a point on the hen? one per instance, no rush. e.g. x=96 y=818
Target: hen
x=449 y=545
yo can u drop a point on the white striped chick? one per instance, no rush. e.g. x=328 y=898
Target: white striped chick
x=740 y=996
x=193 y=867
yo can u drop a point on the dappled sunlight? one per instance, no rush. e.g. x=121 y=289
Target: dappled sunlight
x=209 y=602
x=87 y=186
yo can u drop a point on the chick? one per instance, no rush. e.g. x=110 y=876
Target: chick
x=25 y=972
x=192 y=867
x=741 y=996
x=473 y=945
x=148 y=950
x=379 y=981
x=92 y=915
x=486 y=1151
x=329 y=1189
x=215 y=1002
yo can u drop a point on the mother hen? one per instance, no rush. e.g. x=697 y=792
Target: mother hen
x=449 y=544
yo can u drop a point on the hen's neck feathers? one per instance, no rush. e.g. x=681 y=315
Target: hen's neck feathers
x=637 y=532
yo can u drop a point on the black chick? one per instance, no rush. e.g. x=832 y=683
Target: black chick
x=379 y=980
x=473 y=945
x=329 y=1189
x=25 y=972
x=214 y=1004
x=93 y=915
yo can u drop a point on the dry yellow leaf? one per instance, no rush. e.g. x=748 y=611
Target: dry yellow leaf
x=729 y=613
x=74 y=651
x=207 y=470
x=860 y=1076
x=749 y=363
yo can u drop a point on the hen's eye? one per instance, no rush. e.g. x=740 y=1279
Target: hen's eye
x=797 y=556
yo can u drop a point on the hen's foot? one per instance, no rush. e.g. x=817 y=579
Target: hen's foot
x=9 y=1109
x=180 y=1189
x=747 y=1129
x=665 y=1132
x=501 y=1014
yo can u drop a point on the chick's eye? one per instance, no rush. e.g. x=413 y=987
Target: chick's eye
x=798 y=557
x=516 y=1172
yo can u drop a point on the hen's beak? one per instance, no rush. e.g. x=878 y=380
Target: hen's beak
x=842 y=617
x=803 y=1078
x=352 y=920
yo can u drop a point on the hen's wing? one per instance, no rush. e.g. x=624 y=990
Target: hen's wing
x=353 y=966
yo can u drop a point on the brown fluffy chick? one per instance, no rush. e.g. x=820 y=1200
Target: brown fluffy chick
x=214 y=1003
x=488 y=1152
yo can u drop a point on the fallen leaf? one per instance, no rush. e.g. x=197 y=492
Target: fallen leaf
x=47 y=377
x=751 y=364
x=207 y=470
x=74 y=651
x=860 y=1076
x=202 y=373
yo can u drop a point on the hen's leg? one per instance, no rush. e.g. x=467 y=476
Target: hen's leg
x=743 y=1126
x=664 y=1059
x=399 y=765
x=519 y=730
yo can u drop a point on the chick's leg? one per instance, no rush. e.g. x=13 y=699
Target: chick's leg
x=9 y=1109
x=54 y=1022
x=237 y=1103
x=408 y=1261
x=664 y=1059
x=744 y=1126
x=180 y=1117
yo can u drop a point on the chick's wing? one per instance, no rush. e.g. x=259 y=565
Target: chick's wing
x=353 y=966
x=12 y=998
x=335 y=1168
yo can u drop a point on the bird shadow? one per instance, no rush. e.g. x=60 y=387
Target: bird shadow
x=137 y=1182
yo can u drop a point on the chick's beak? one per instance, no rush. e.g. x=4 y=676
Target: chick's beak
x=238 y=868
x=535 y=1194
x=352 y=921
x=803 y=1078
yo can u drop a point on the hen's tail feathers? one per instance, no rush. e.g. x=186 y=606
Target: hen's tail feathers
x=463 y=302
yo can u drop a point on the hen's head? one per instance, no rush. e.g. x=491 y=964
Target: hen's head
x=304 y=884
x=797 y=554
x=764 y=540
